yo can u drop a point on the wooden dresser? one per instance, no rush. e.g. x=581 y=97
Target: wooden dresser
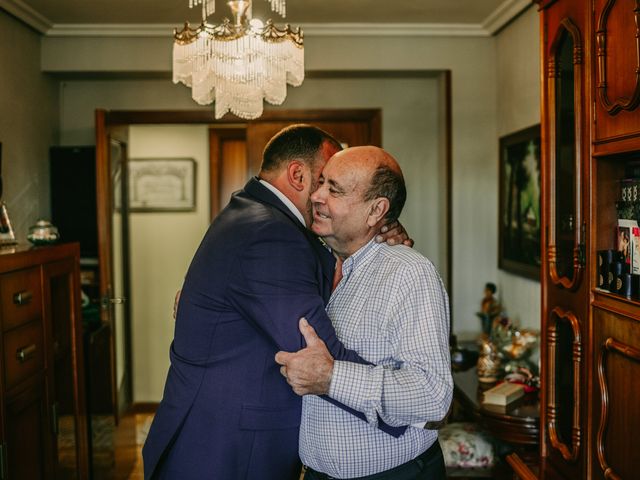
x=42 y=409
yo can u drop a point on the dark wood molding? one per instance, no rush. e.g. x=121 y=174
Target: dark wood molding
x=217 y=136
x=622 y=103
x=567 y=26
x=568 y=453
x=136 y=117
x=629 y=352
x=449 y=180
x=542 y=4
x=144 y=407
x=520 y=468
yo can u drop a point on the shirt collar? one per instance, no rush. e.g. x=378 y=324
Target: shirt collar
x=360 y=256
x=283 y=198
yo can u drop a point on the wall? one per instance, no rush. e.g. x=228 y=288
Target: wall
x=471 y=60
x=28 y=124
x=162 y=245
x=495 y=91
x=410 y=131
x=518 y=107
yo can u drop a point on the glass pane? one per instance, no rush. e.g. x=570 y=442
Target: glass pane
x=564 y=401
x=565 y=158
x=63 y=375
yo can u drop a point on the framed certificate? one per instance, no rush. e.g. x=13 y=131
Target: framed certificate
x=162 y=185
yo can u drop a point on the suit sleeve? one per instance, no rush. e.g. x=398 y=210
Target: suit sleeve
x=276 y=284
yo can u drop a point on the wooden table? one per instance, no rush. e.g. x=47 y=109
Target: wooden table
x=517 y=424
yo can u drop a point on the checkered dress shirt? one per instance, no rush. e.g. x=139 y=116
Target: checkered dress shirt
x=391 y=307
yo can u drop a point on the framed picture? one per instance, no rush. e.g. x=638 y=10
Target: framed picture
x=162 y=185
x=7 y=237
x=519 y=210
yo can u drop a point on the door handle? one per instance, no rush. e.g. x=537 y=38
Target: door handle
x=107 y=301
x=23 y=298
x=25 y=353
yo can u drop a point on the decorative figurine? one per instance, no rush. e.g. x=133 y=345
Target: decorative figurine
x=490 y=308
x=488 y=361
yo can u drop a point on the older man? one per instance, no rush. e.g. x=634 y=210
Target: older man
x=390 y=306
x=226 y=412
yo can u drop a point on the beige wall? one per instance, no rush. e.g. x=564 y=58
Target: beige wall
x=28 y=124
x=471 y=60
x=495 y=91
x=410 y=131
x=162 y=244
x=518 y=107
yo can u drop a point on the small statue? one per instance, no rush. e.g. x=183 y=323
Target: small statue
x=488 y=361
x=490 y=308
x=517 y=352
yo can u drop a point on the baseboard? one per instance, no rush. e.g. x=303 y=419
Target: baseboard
x=144 y=407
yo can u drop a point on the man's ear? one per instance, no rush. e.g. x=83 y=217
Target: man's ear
x=295 y=175
x=378 y=210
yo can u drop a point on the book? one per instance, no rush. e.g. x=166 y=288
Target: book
x=628 y=238
x=503 y=394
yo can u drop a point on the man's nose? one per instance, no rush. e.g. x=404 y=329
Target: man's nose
x=316 y=197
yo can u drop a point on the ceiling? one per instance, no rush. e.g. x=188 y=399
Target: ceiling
x=56 y=12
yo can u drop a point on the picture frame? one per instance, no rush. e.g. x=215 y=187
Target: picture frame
x=519 y=214
x=162 y=184
x=7 y=236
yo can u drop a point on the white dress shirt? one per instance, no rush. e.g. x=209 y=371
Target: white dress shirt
x=391 y=307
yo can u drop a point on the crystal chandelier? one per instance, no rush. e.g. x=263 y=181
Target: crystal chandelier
x=238 y=64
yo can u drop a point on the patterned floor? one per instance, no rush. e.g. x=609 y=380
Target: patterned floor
x=117 y=451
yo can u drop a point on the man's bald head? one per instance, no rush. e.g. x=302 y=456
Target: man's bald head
x=361 y=188
x=386 y=181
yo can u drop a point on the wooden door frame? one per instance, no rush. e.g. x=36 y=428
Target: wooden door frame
x=216 y=137
x=104 y=197
x=374 y=116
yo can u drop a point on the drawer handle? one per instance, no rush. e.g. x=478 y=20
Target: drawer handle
x=23 y=298
x=25 y=353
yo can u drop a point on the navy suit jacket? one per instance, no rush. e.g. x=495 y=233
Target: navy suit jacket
x=227 y=413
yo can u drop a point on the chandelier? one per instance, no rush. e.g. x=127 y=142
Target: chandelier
x=238 y=64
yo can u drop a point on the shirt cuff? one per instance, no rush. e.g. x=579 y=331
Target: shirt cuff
x=359 y=387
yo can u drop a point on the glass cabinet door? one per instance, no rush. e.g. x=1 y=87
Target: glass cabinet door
x=563 y=382
x=565 y=253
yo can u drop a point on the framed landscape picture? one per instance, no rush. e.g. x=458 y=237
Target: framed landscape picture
x=519 y=209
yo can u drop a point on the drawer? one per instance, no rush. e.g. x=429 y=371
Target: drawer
x=23 y=353
x=21 y=297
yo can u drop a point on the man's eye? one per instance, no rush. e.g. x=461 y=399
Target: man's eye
x=333 y=190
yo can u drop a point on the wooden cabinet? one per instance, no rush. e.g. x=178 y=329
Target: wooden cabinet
x=42 y=406
x=617 y=75
x=590 y=352
x=565 y=205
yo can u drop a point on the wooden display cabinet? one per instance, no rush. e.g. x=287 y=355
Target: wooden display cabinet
x=590 y=349
x=616 y=344
x=565 y=205
x=42 y=407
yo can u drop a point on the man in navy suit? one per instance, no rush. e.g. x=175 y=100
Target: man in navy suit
x=226 y=412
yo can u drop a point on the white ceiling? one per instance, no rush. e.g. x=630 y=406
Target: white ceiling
x=46 y=14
